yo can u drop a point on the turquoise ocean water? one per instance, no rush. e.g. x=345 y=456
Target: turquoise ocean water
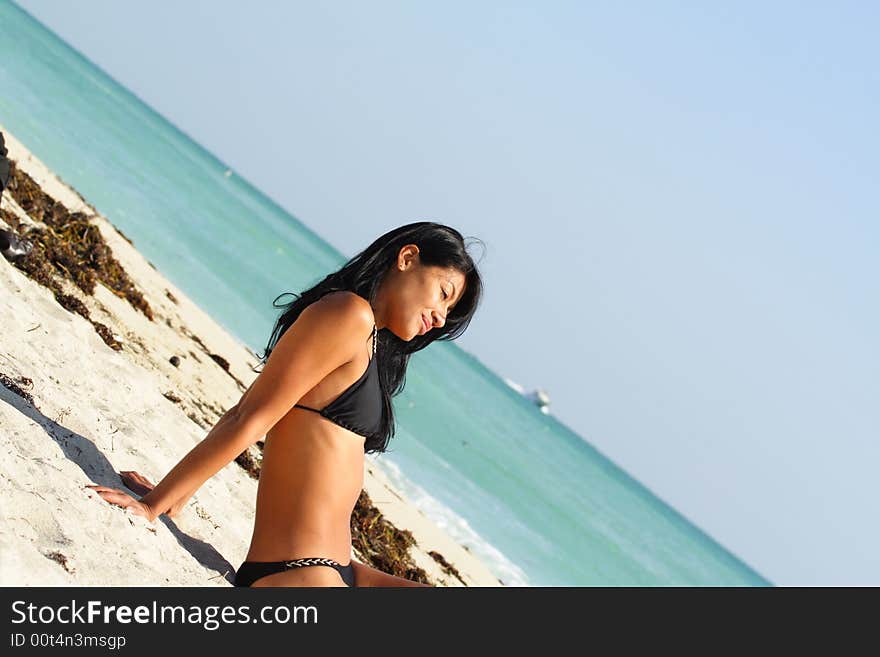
x=533 y=499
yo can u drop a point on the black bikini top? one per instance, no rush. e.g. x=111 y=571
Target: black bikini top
x=360 y=407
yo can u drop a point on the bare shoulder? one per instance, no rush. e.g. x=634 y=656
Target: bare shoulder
x=339 y=322
x=344 y=307
x=326 y=335
x=346 y=301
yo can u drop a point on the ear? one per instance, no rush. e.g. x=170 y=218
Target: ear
x=407 y=256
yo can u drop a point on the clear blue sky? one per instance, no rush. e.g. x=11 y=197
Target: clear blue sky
x=679 y=200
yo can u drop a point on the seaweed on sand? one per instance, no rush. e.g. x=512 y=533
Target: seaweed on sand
x=71 y=244
x=38 y=267
x=447 y=567
x=382 y=544
x=61 y=560
x=9 y=383
x=251 y=459
x=217 y=358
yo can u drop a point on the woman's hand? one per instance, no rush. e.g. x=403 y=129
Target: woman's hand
x=136 y=482
x=133 y=481
x=126 y=501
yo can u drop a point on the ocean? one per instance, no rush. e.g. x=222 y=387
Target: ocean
x=534 y=500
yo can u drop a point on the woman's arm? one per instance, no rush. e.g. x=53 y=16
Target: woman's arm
x=326 y=335
x=229 y=438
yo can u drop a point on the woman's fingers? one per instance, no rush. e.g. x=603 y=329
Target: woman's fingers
x=113 y=495
x=136 y=482
x=120 y=498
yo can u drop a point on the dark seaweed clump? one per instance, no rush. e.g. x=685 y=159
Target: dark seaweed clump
x=61 y=560
x=70 y=243
x=7 y=382
x=249 y=462
x=222 y=362
x=382 y=544
x=38 y=266
x=217 y=358
x=447 y=567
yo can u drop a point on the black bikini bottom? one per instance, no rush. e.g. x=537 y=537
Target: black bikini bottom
x=250 y=571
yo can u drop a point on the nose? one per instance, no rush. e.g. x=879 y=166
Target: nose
x=437 y=320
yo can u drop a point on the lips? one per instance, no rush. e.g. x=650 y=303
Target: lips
x=426 y=325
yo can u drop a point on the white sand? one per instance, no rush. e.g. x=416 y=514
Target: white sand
x=98 y=411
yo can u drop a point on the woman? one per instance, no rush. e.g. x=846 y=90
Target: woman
x=323 y=400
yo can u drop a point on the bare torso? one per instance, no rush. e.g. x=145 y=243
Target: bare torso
x=311 y=477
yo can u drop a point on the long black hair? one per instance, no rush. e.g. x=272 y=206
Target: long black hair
x=439 y=246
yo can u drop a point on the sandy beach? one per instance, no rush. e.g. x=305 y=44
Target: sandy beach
x=80 y=403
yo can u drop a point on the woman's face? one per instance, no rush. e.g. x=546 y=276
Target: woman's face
x=416 y=298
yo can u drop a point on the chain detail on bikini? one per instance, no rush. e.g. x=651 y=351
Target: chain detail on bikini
x=312 y=561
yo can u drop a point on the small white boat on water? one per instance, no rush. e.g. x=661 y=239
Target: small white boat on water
x=538 y=397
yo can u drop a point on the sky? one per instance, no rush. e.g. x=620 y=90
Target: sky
x=678 y=203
